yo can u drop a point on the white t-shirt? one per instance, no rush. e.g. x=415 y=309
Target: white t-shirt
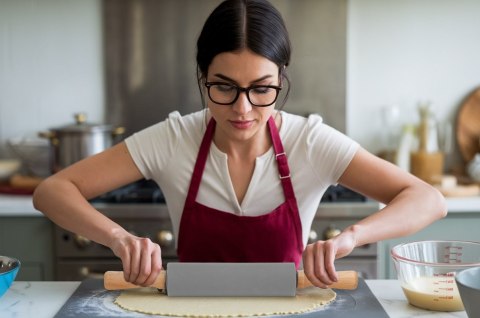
x=317 y=156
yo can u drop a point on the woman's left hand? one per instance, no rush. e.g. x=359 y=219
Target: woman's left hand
x=319 y=257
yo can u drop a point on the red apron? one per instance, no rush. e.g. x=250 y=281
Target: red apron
x=209 y=235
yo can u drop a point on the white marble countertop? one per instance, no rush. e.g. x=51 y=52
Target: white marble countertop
x=17 y=205
x=464 y=204
x=21 y=205
x=44 y=299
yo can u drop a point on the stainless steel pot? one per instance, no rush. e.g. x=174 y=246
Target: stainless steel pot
x=80 y=140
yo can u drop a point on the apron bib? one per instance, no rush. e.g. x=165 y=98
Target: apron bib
x=210 y=235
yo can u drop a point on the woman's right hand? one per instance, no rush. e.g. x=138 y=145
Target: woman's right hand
x=141 y=258
x=319 y=257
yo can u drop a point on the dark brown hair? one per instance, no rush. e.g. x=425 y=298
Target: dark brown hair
x=238 y=24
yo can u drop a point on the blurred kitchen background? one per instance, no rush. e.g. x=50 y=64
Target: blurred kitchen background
x=364 y=65
x=402 y=77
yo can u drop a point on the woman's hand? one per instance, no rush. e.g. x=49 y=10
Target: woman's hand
x=319 y=257
x=141 y=258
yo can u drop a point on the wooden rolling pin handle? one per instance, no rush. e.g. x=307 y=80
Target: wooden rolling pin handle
x=113 y=280
x=346 y=280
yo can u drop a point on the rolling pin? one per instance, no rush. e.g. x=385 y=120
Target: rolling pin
x=230 y=279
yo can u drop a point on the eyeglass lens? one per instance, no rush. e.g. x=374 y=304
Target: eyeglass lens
x=257 y=95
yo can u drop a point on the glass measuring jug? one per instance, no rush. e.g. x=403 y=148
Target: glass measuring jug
x=427 y=269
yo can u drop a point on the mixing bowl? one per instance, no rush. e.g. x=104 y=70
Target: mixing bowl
x=427 y=270
x=34 y=154
x=8 y=270
x=8 y=167
x=468 y=282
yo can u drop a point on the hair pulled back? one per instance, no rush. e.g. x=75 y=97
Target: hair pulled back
x=238 y=24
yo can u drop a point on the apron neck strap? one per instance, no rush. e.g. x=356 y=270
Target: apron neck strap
x=200 y=163
x=280 y=156
x=282 y=162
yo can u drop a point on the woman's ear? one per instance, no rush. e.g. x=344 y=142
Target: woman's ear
x=201 y=80
x=281 y=74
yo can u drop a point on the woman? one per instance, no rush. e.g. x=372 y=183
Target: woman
x=242 y=179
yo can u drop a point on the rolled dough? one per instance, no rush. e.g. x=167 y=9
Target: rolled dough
x=150 y=301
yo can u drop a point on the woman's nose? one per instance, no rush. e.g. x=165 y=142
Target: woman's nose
x=242 y=104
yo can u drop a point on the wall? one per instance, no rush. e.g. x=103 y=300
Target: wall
x=317 y=70
x=400 y=52
x=151 y=45
x=50 y=65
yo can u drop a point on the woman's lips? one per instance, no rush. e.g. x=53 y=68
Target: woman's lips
x=241 y=124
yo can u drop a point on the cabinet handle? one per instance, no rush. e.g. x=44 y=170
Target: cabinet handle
x=165 y=238
x=331 y=232
x=86 y=273
x=312 y=236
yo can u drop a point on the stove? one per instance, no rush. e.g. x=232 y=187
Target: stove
x=340 y=193
x=143 y=191
x=140 y=208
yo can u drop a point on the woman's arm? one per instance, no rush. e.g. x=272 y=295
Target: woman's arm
x=63 y=198
x=411 y=205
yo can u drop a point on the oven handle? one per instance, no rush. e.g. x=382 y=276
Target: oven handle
x=85 y=272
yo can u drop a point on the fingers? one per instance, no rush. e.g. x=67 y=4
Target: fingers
x=156 y=266
x=150 y=263
x=142 y=263
x=330 y=255
x=314 y=265
x=135 y=253
x=318 y=263
x=141 y=259
x=309 y=260
x=125 y=257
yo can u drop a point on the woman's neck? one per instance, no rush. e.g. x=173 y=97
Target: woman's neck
x=252 y=148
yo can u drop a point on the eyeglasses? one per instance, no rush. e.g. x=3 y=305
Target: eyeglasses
x=227 y=94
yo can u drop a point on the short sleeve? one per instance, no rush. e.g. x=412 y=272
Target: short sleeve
x=153 y=147
x=328 y=150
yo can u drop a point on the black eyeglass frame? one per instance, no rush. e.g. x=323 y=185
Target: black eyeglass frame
x=242 y=89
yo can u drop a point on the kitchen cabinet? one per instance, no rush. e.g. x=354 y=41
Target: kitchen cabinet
x=459 y=225
x=29 y=239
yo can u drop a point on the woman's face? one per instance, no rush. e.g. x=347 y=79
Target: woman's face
x=241 y=120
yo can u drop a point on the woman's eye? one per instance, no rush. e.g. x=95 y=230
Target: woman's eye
x=261 y=90
x=225 y=87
